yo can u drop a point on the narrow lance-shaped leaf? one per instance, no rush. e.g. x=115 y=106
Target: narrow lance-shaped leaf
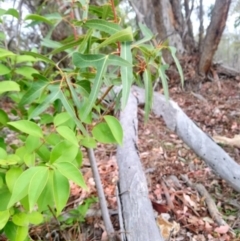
x=83 y=45
x=148 y=92
x=66 y=46
x=39 y=18
x=148 y=35
x=173 y=53
x=96 y=87
x=103 y=25
x=87 y=60
x=74 y=95
x=33 y=92
x=55 y=93
x=126 y=72
x=39 y=56
x=121 y=36
x=163 y=77
x=71 y=112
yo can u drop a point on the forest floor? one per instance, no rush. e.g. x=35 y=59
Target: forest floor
x=216 y=110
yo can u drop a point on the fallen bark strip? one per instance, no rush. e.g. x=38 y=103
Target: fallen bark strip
x=212 y=208
x=138 y=217
x=194 y=137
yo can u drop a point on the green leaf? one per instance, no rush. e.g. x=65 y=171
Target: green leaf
x=11 y=176
x=71 y=112
x=126 y=72
x=87 y=60
x=8 y=86
x=67 y=134
x=71 y=172
x=102 y=133
x=5 y=197
x=32 y=143
x=148 y=35
x=15 y=233
x=121 y=36
x=100 y=62
x=148 y=92
x=163 y=77
x=61 y=118
x=53 y=139
x=36 y=185
x=29 y=159
x=64 y=151
x=26 y=71
x=27 y=127
x=24 y=58
x=103 y=25
x=115 y=128
x=40 y=57
x=46 y=199
x=20 y=188
x=35 y=218
x=20 y=219
x=66 y=46
x=4 y=69
x=4 y=216
x=118 y=61
x=39 y=18
x=46 y=119
x=33 y=93
x=61 y=190
x=82 y=47
x=179 y=68
x=50 y=43
x=13 y=12
x=3 y=118
x=5 y=53
x=88 y=142
x=74 y=95
x=3 y=154
x=55 y=94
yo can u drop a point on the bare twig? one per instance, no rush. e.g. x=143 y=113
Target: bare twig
x=101 y=196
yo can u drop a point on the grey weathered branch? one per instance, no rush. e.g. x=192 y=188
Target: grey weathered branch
x=138 y=217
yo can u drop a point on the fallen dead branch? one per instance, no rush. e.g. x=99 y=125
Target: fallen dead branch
x=138 y=217
x=212 y=208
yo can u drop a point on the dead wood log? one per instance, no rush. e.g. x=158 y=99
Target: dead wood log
x=202 y=144
x=138 y=217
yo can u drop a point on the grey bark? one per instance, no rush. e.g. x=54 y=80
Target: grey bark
x=202 y=144
x=137 y=211
x=160 y=18
x=213 y=35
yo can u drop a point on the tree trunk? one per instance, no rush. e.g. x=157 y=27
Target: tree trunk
x=201 y=28
x=213 y=35
x=188 y=37
x=165 y=19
